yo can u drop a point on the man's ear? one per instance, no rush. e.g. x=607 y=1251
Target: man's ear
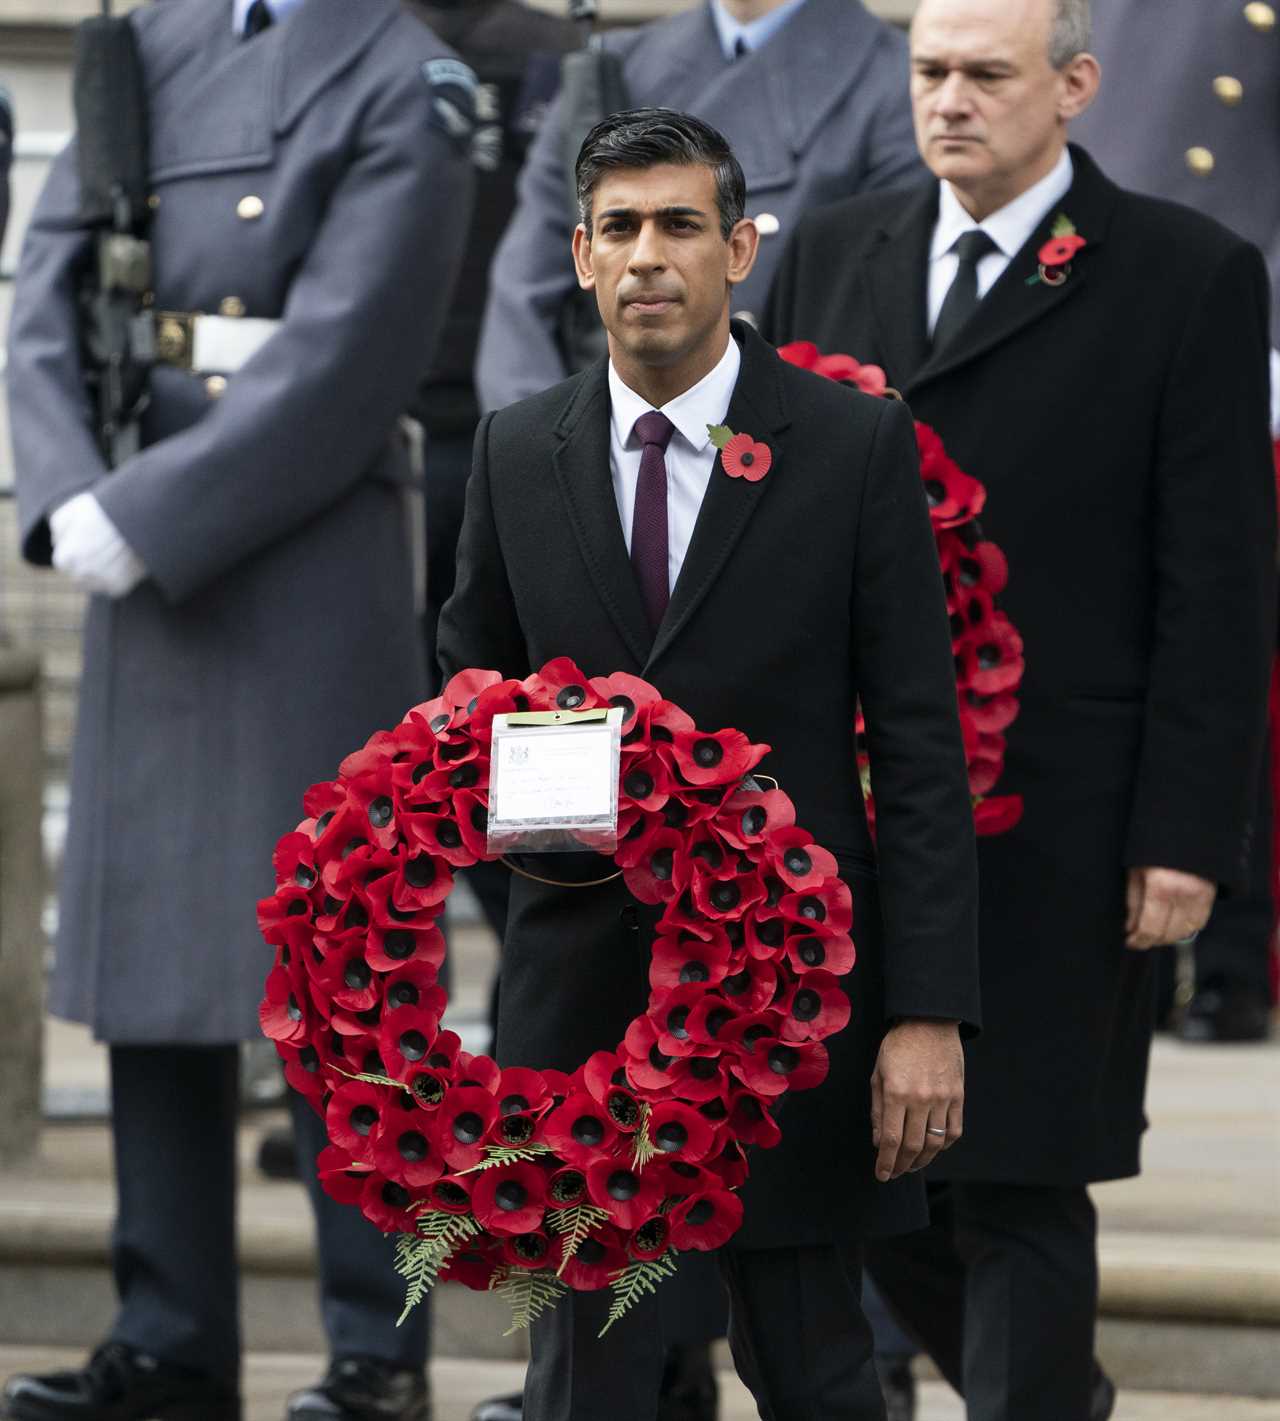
x=744 y=243
x=1080 y=80
x=582 y=258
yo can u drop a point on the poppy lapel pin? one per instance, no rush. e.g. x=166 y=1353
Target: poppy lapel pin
x=741 y=456
x=1056 y=254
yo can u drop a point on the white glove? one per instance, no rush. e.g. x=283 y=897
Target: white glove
x=87 y=546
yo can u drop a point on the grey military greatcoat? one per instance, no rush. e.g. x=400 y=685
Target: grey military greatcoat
x=819 y=112
x=305 y=175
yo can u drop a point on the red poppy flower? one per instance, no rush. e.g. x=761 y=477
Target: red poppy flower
x=810 y=946
x=952 y=495
x=798 y=861
x=579 y=1129
x=720 y=759
x=422 y=880
x=681 y=959
x=462 y=689
x=1058 y=251
x=481 y=1071
x=465 y=1118
x=698 y=1078
x=744 y=458
x=566 y=1187
x=345 y=977
x=679 y=1132
x=522 y=1091
x=816 y=1007
x=751 y=987
x=830 y=904
x=285 y=917
x=630 y=1196
x=451 y=1194
x=393 y=945
x=353 y=1115
x=645 y=783
x=374 y=795
x=405 y=1151
x=471 y=814
x=997 y=816
x=392 y=1207
x=510 y=1199
x=989 y=714
x=532 y=1250
x=501 y=698
x=341 y=1178
x=405 y=1038
x=669 y=1012
x=629 y=692
x=650 y=1239
x=283 y=1012
x=980 y=567
x=666 y=721
x=748 y=814
x=440 y=836
x=727 y=898
x=648 y=1068
x=751 y=1121
x=997 y=663
x=844 y=368
x=772 y=1066
x=661 y=873
x=599 y=1258
x=294 y=861
x=986 y=760
x=561 y=685
x=705 y=1221
x=473 y=1266
x=304 y=1071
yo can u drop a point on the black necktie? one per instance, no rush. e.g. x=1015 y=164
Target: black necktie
x=740 y=48
x=962 y=297
x=256 y=19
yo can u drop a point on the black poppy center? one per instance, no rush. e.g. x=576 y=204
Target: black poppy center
x=770 y=932
x=754 y=820
x=677 y=1019
x=671 y=1136
x=726 y=896
x=798 y=862
x=703 y=1068
x=309 y=1059
x=753 y=1035
x=356 y=917
x=737 y=983
x=363 y=1119
x=293 y=1010
x=448 y=834
x=396 y=1195
x=638 y=784
x=516 y=1129
x=717 y=1019
x=624 y=1108
x=420 y=872
x=571 y=697
x=694 y=972
x=591 y=1251
x=659 y=1060
x=812 y=953
x=814 y=909
x=304 y=876
x=783 y=1060
x=380 y=811
x=970 y=571
x=746 y=459
x=512 y=1105
x=413 y=1045
x=807 y=1004
x=988 y=656
x=468 y=1127
x=650 y=1236
x=324 y=821
x=661 y=864
x=587 y=1130
x=510 y=1195
x=449 y=1193
x=622 y=1185
x=934 y=491
x=403 y=994
x=569 y=1187
x=530 y=1247
x=463 y=777
x=702 y=1212
x=413 y=1146
x=708 y=753
x=357 y=974
x=398 y=944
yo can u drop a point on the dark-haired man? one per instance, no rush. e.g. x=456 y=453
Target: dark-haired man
x=600 y=526
x=1113 y=398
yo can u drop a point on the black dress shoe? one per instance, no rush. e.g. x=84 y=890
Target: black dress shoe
x=500 y=1408
x=1214 y=1014
x=278 y=1154
x=899 y=1387
x=119 y=1383
x=363 y=1389
x=1103 y=1400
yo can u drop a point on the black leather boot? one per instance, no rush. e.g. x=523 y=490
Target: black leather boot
x=363 y=1389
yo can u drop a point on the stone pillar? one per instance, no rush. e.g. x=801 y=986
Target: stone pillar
x=22 y=885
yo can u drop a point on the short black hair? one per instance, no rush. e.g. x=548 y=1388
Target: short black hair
x=644 y=138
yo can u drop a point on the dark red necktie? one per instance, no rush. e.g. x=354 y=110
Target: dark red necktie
x=650 y=553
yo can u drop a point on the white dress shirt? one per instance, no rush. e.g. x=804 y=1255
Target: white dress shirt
x=280 y=11
x=755 y=32
x=690 y=456
x=1010 y=229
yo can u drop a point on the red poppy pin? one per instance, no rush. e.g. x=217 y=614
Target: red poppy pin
x=1056 y=254
x=742 y=456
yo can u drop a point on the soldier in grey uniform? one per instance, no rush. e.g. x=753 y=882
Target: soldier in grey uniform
x=812 y=96
x=252 y=622
x=1203 y=128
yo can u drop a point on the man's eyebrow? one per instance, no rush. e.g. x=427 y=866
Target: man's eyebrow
x=988 y=66
x=673 y=211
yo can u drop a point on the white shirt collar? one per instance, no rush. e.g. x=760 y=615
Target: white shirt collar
x=1010 y=227
x=280 y=11
x=754 y=33
x=702 y=404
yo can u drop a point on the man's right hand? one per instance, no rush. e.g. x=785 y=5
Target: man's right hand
x=917 y=1095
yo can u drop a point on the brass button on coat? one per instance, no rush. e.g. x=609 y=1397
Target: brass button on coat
x=1200 y=161
x=250 y=208
x=1260 y=16
x=1229 y=89
x=231 y=306
x=215 y=386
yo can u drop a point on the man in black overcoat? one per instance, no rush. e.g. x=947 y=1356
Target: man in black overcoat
x=771 y=606
x=1115 y=405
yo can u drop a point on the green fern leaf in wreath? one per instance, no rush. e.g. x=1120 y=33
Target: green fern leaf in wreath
x=643 y=1149
x=496 y=1155
x=573 y=1225
x=420 y=1256
x=635 y=1281
x=529 y=1293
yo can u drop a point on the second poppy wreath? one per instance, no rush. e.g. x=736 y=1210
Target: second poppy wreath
x=537 y=1182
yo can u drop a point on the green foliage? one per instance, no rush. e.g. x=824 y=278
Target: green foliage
x=631 y=1283
x=573 y=1225
x=420 y=1256
x=496 y=1155
x=528 y=1292
x=1063 y=226
x=720 y=434
x=372 y=1077
x=643 y=1150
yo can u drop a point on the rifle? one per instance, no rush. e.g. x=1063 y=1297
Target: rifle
x=592 y=87
x=111 y=124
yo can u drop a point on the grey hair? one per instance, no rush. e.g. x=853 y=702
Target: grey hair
x=1071 y=31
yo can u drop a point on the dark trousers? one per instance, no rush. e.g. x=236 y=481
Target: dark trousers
x=1002 y=1291
x=174 y=1116
x=799 y=1339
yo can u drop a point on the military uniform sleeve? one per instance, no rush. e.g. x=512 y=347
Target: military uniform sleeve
x=892 y=156
x=55 y=452
x=1213 y=636
x=479 y=625
x=304 y=419
x=901 y=649
x=531 y=277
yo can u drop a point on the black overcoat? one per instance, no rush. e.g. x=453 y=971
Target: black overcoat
x=799 y=593
x=1120 y=424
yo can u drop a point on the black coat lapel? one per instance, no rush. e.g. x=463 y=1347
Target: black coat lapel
x=757 y=408
x=581 y=464
x=897 y=270
x=1012 y=303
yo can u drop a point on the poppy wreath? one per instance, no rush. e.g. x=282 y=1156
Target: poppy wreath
x=984 y=642
x=537 y=1182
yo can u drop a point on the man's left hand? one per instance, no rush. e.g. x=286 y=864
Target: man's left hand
x=1165 y=905
x=917 y=1095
